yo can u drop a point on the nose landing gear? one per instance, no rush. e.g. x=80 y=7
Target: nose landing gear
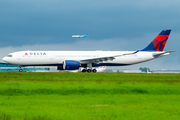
x=20 y=70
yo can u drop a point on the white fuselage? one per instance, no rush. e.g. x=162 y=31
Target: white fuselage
x=56 y=57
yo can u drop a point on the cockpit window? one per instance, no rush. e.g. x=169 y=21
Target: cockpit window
x=9 y=55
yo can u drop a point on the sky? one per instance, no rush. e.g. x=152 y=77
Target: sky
x=115 y=25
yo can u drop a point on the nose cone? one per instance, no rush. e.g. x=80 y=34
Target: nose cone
x=4 y=59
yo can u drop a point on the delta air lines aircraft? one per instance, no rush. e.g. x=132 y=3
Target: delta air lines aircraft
x=74 y=60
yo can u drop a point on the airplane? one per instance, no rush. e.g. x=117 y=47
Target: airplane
x=79 y=36
x=73 y=60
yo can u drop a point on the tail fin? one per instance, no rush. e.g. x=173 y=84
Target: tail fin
x=85 y=35
x=159 y=42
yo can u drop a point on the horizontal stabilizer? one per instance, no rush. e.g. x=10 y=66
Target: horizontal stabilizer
x=156 y=55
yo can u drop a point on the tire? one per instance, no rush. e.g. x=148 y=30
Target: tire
x=84 y=70
x=94 y=70
x=89 y=70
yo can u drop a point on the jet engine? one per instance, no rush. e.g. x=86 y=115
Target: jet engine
x=70 y=65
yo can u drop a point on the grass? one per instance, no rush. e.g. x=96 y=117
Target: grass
x=54 y=96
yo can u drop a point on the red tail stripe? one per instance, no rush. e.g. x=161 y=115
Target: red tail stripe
x=163 y=45
x=161 y=37
x=156 y=44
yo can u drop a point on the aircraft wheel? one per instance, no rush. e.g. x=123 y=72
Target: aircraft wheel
x=94 y=70
x=84 y=70
x=20 y=70
x=89 y=70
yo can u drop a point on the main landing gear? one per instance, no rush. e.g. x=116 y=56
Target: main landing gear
x=89 y=70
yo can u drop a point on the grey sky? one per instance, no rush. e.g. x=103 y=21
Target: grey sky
x=110 y=25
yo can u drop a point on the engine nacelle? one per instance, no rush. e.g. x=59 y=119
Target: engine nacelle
x=70 y=65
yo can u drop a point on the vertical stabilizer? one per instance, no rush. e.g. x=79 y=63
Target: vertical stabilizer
x=159 y=42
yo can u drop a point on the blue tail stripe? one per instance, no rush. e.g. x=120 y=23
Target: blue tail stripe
x=150 y=47
x=165 y=32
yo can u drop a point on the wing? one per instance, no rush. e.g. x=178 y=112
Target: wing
x=106 y=58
